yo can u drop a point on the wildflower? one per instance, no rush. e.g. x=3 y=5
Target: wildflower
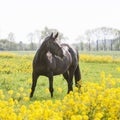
x=76 y=89
x=17 y=94
x=118 y=69
x=76 y=117
x=16 y=102
x=29 y=81
x=21 y=89
x=23 y=109
x=98 y=115
x=24 y=94
x=102 y=74
x=2 y=96
x=26 y=98
x=46 y=90
x=29 y=90
x=11 y=102
x=1 y=92
x=10 y=92
x=59 y=90
x=85 y=117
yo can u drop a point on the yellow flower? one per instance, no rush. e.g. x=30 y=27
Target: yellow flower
x=85 y=117
x=118 y=69
x=1 y=92
x=99 y=115
x=46 y=90
x=23 y=109
x=24 y=94
x=26 y=98
x=10 y=92
x=21 y=89
x=17 y=94
x=11 y=102
x=76 y=117
x=2 y=96
x=29 y=90
x=76 y=89
x=16 y=102
x=102 y=74
x=29 y=81
x=59 y=90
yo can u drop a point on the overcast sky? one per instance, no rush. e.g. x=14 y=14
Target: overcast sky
x=71 y=17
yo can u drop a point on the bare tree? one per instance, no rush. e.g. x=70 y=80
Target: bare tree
x=38 y=36
x=31 y=39
x=88 y=35
x=47 y=31
x=104 y=37
x=11 y=39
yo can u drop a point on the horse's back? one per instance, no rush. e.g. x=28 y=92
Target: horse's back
x=73 y=52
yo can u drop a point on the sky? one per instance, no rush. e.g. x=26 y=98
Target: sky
x=70 y=17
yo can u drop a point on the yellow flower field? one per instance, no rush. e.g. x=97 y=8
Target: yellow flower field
x=16 y=63
x=93 y=101
x=98 y=58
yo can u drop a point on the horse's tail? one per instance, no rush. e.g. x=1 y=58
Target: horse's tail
x=77 y=75
x=77 y=72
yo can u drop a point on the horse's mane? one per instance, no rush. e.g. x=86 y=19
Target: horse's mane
x=43 y=43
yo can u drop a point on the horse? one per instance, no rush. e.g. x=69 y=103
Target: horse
x=53 y=59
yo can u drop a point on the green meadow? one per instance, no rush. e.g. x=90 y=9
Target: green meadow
x=16 y=69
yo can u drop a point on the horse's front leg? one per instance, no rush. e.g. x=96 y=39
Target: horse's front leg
x=51 y=84
x=34 y=81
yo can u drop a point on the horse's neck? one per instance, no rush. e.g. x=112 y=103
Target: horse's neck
x=41 y=54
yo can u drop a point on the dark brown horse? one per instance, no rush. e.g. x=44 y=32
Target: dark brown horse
x=54 y=59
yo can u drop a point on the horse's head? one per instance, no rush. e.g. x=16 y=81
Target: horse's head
x=53 y=46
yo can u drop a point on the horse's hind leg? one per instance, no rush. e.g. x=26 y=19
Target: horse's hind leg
x=34 y=81
x=66 y=76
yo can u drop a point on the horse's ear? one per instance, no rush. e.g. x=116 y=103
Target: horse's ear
x=56 y=35
x=51 y=35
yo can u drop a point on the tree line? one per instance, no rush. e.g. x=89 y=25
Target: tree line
x=11 y=44
x=103 y=38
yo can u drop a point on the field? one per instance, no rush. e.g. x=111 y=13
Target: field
x=98 y=98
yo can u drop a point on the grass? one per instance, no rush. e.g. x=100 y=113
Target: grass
x=91 y=71
x=14 y=80
x=96 y=99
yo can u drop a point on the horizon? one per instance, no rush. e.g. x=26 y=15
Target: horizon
x=72 y=18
